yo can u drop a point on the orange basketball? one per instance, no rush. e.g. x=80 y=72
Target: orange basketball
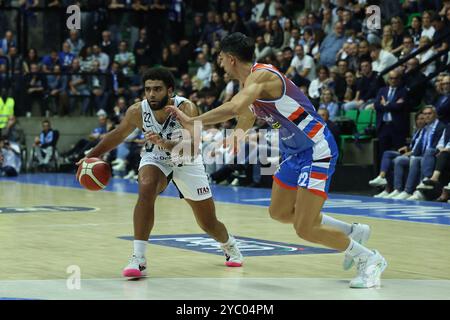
x=94 y=174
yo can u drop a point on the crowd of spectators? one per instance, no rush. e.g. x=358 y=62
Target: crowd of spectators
x=327 y=48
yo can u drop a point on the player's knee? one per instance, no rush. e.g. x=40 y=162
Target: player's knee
x=147 y=189
x=280 y=215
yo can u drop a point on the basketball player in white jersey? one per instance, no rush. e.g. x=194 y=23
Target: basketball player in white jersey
x=158 y=167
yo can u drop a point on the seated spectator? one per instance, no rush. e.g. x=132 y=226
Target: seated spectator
x=118 y=81
x=98 y=86
x=16 y=63
x=204 y=71
x=45 y=144
x=57 y=87
x=66 y=57
x=142 y=50
x=327 y=21
x=381 y=59
x=443 y=101
x=178 y=60
x=10 y=161
x=387 y=39
x=274 y=37
x=407 y=47
x=394 y=163
x=398 y=34
x=426 y=55
x=413 y=80
x=286 y=59
x=367 y=87
x=328 y=102
x=217 y=84
x=433 y=134
x=441 y=173
x=32 y=57
x=307 y=41
x=391 y=115
x=302 y=70
x=317 y=85
x=36 y=86
x=364 y=51
x=349 y=22
x=186 y=85
x=294 y=39
x=337 y=83
x=427 y=28
x=260 y=45
x=313 y=24
x=350 y=97
x=125 y=59
x=415 y=30
x=324 y=113
x=7 y=41
x=441 y=28
x=14 y=132
x=107 y=46
x=231 y=88
x=101 y=57
x=420 y=165
x=86 y=59
x=75 y=42
x=50 y=61
x=330 y=46
x=78 y=85
x=119 y=110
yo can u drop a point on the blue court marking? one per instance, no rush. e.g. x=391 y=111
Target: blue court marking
x=249 y=247
x=412 y=211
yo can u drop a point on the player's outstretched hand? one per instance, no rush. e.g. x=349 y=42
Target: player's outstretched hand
x=186 y=121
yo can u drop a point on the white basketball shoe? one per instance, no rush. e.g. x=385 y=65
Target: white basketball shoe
x=360 y=233
x=233 y=256
x=370 y=269
x=136 y=268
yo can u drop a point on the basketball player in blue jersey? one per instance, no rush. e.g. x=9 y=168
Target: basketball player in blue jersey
x=309 y=155
x=158 y=166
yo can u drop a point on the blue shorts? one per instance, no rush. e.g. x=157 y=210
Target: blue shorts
x=311 y=169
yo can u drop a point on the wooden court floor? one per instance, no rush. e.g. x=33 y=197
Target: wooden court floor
x=37 y=248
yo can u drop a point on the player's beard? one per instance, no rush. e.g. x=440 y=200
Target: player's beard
x=161 y=104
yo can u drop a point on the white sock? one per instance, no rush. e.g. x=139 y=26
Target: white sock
x=140 y=247
x=341 y=225
x=230 y=241
x=355 y=249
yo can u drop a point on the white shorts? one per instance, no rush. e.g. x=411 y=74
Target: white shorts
x=190 y=179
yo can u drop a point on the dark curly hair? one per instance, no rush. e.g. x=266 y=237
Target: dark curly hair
x=162 y=74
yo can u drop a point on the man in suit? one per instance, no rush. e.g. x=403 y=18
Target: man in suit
x=392 y=122
x=422 y=162
x=443 y=101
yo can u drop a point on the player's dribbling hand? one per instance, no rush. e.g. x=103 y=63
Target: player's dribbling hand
x=80 y=161
x=184 y=119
